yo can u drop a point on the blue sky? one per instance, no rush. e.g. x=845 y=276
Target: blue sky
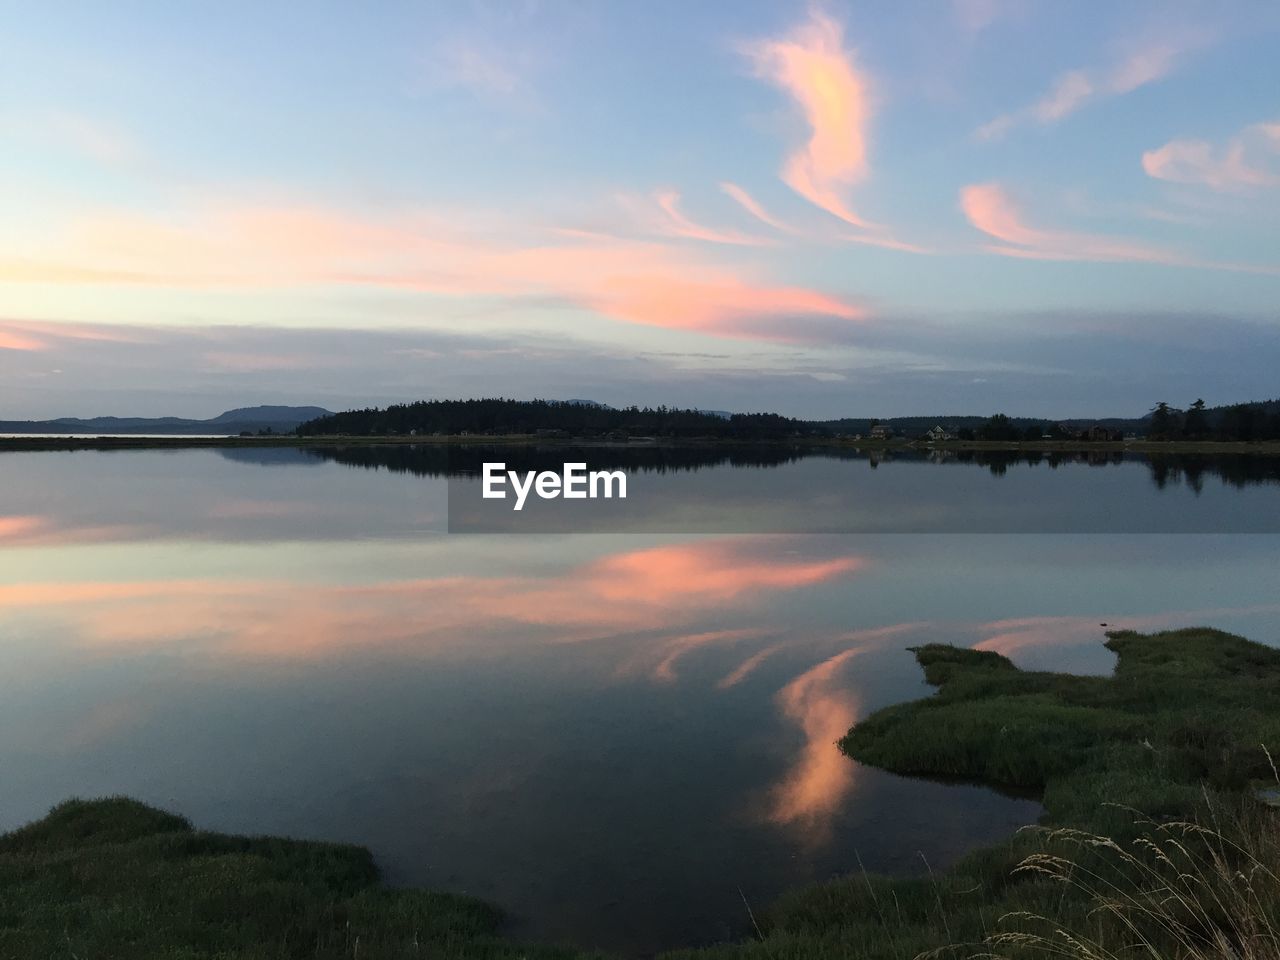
x=861 y=209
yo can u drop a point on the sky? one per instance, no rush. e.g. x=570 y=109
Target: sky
x=841 y=209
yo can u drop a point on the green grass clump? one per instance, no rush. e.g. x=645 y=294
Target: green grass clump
x=117 y=880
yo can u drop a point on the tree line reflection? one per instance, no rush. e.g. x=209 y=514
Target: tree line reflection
x=1235 y=469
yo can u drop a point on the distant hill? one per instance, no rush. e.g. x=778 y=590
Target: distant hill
x=251 y=419
x=290 y=415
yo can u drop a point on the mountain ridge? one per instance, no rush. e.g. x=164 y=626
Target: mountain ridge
x=275 y=418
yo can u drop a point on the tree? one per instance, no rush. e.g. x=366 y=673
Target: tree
x=1161 y=421
x=1196 y=423
x=998 y=427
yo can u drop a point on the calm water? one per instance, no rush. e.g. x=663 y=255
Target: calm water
x=609 y=734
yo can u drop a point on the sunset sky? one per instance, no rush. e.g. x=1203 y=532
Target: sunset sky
x=842 y=209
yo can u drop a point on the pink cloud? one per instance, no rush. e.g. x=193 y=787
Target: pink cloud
x=15 y=340
x=677 y=224
x=813 y=68
x=21 y=527
x=753 y=207
x=990 y=209
x=1250 y=159
x=30 y=336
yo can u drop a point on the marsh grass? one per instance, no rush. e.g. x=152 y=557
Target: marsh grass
x=116 y=880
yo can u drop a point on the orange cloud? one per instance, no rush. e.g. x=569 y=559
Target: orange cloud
x=813 y=68
x=1250 y=159
x=645 y=283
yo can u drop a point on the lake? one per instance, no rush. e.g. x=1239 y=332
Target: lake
x=621 y=735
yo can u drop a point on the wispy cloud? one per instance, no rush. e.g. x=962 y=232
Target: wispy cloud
x=755 y=208
x=974 y=16
x=990 y=209
x=1248 y=160
x=1075 y=88
x=479 y=68
x=812 y=66
x=675 y=223
x=497 y=53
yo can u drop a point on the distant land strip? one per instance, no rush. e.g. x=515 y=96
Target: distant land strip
x=505 y=420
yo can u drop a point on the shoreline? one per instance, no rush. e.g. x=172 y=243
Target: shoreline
x=51 y=443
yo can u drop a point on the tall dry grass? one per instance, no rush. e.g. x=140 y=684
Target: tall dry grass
x=1184 y=890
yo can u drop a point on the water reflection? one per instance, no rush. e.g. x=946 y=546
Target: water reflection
x=1238 y=469
x=609 y=735
x=824 y=709
x=630 y=591
x=406 y=492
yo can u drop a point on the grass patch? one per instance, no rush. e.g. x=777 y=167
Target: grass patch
x=117 y=880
